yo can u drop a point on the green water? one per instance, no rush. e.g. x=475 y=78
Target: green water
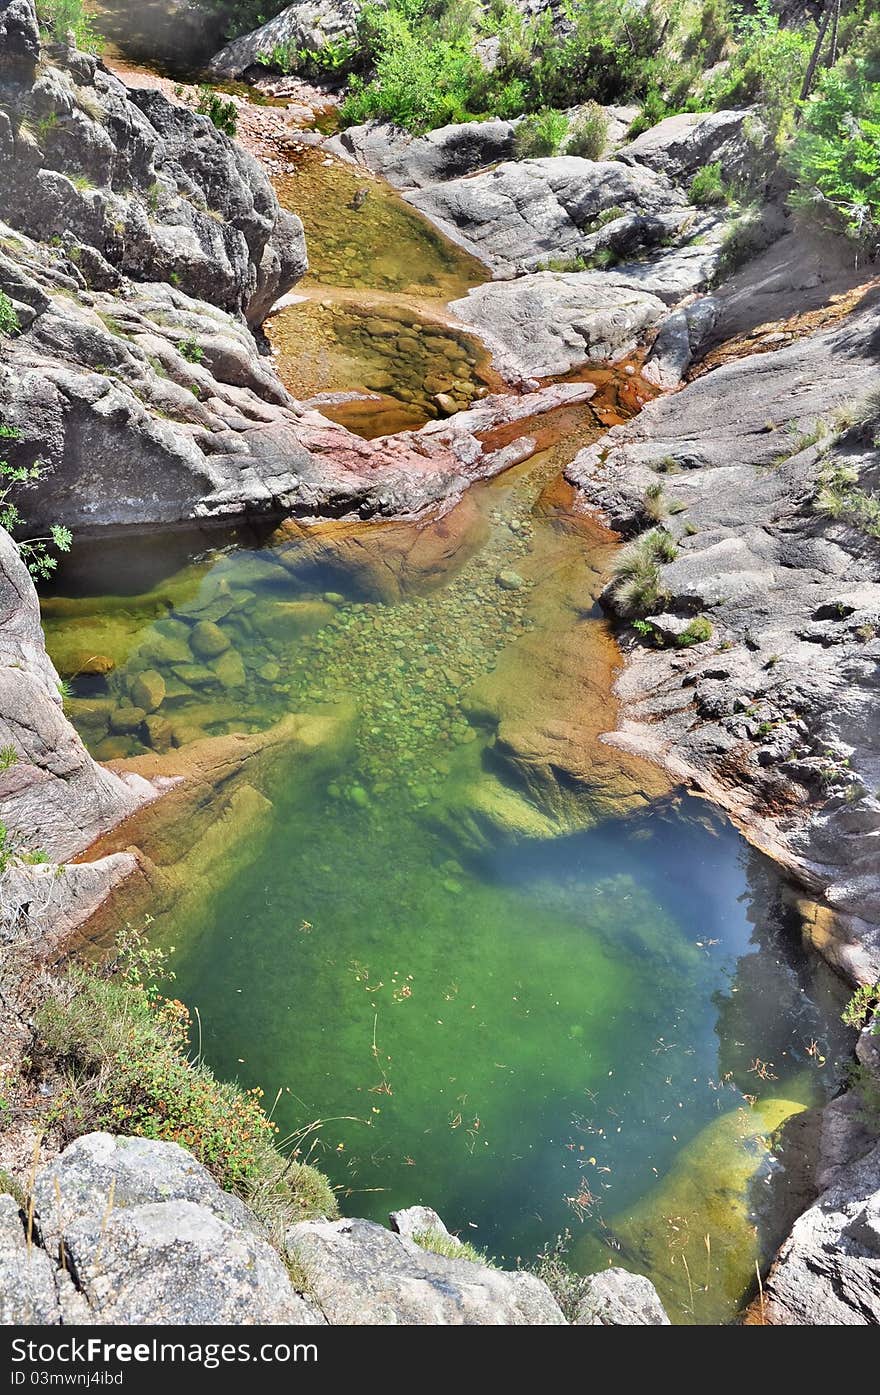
x=528 y=1035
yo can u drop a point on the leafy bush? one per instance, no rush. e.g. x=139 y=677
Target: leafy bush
x=697 y=632
x=58 y=17
x=588 y=133
x=766 y=68
x=191 y=349
x=862 y=1006
x=540 y=135
x=34 y=551
x=334 y=56
x=835 y=156
x=8 y=318
x=123 y=1052
x=222 y=112
x=419 y=84
x=707 y=187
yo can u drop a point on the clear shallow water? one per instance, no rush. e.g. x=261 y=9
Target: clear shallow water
x=531 y=1037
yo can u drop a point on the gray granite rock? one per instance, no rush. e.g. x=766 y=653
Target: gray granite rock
x=828 y=1271
x=307 y=24
x=28 y=1293
x=681 y=145
x=150 y=188
x=523 y=212
x=149 y=1237
x=775 y=717
x=360 y=1273
x=414 y=162
x=616 y=1298
x=550 y=322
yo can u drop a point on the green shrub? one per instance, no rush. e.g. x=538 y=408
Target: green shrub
x=766 y=68
x=191 y=349
x=122 y=1049
x=835 y=155
x=8 y=318
x=419 y=83
x=588 y=133
x=57 y=17
x=697 y=632
x=541 y=134
x=333 y=57
x=707 y=186
x=220 y=110
x=862 y=1005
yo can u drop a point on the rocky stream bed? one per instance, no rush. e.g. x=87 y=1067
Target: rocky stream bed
x=346 y=710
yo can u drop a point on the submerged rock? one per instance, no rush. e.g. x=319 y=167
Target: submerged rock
x=208 y=640
x=148 y=690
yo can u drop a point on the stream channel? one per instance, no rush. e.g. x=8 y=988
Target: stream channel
x=582 y=1008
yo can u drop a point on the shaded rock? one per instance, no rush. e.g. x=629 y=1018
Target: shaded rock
x=680 y=145
x=617 y=1298
x=27 y=1274
x=55 y=797
x=679 y=340
x=412 y=162
x=19 y=38
x=361 y=1273
x=828 y=1270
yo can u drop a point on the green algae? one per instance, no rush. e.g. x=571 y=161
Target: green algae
x=696 y=1233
